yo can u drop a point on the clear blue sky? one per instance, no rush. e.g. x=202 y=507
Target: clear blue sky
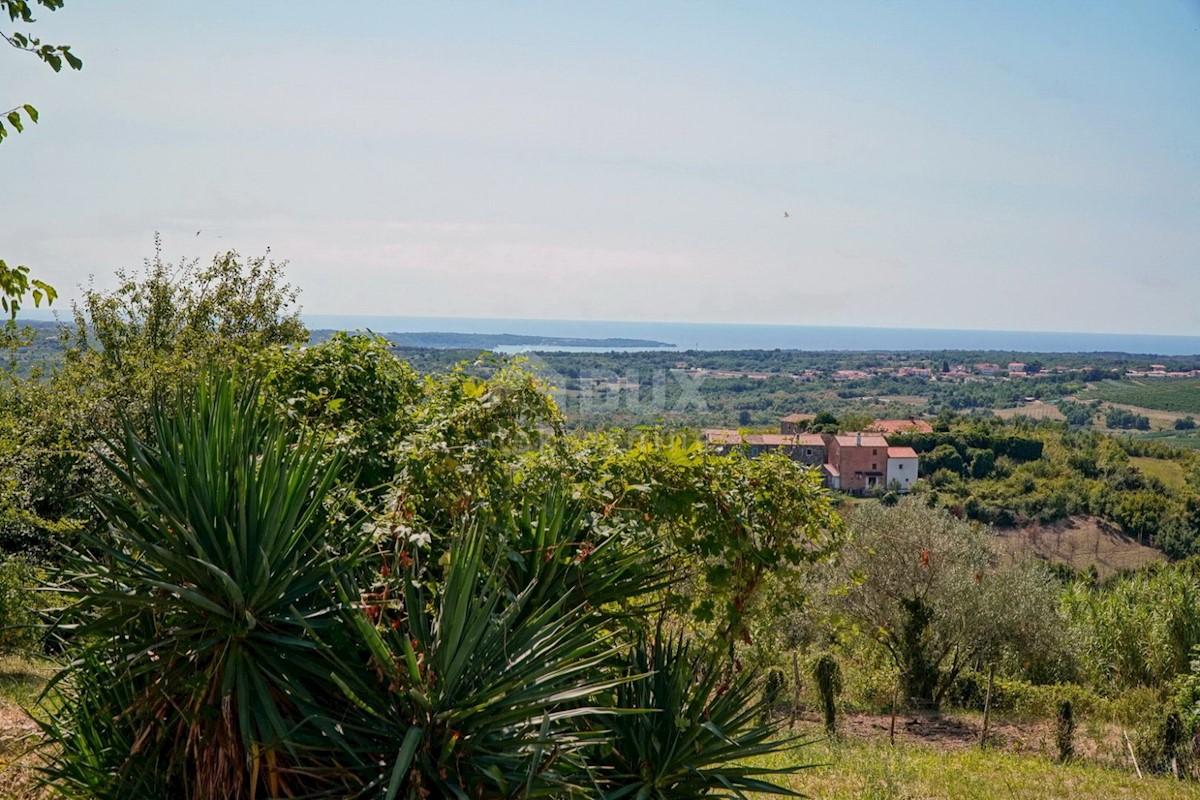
x=1009 y=165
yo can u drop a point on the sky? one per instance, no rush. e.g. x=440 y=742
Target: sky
x=985 y=165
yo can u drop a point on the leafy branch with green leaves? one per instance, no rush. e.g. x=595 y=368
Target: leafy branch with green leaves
x=15 y=282
x=53 y=55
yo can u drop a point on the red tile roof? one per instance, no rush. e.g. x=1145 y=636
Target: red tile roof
x=785 y=439
x=799 y=418
x=868 y=440
x=901 y=452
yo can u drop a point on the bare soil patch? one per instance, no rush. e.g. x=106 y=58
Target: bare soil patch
x=1079 y=542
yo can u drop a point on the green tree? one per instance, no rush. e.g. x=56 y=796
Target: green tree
x=133 y=344
x=353 y=388
x=922 y=582
x=730 y=521
x=167 y=321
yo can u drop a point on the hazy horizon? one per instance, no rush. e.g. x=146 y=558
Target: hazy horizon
x=1015 y=166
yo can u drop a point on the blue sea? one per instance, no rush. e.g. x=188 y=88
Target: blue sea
x=722 y=336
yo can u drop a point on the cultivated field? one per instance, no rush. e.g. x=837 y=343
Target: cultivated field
x=1179 y=395
x=1035 y=410
x=1186 y=439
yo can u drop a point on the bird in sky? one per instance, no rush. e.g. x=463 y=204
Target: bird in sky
x=197 y=233
x=786 y=215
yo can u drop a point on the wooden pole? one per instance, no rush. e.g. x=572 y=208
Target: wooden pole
x=987 y=704
x=1132 y=757
x=895 y=700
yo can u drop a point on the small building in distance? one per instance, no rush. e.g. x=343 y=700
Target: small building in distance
x=793 y=423
x=807 y=448
x=721 y=440
x=901 y=468
x=855 y=463
x=859 y=461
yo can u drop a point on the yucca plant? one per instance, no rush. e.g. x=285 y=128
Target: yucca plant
x=700 y=733
x=478 y=685
x=197 y=609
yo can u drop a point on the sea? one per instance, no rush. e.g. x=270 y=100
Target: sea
x=730 y=336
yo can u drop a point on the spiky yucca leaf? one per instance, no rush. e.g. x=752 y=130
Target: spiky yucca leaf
x=483 y=685
x=201 y=598
x=702 y=727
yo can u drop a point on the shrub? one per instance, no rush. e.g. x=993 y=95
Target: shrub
x=704 y=722
x=200 y=602
x=19 y=605
x=1064 y=731
x=774 y=687
x=1027 y=700
x=828 y=676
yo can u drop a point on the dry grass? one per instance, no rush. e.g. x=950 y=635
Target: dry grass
x=21 y=682
x=1079 y=542
x=916 y=401
x=1035 y=410
x=18 y=734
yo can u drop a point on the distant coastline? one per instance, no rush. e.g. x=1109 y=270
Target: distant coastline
x=727 y=336
x=446 y=340
x=519 y=335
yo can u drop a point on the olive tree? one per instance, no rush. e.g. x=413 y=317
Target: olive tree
x=927 y=587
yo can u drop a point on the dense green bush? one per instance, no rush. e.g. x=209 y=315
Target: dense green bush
x=202 y=597
x=20 y=604
x=1025 y=700
x=1137 y=631
x=239 y=634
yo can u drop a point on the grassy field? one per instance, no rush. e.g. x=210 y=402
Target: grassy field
x=1178 y=395
x=1037 y=410
x=862 y=770
x=859 y=766
x=1170 y=473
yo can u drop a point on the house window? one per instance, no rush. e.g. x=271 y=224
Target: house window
x=899 y=466
x=874 y=452
x=808 y=451
x=874 y=467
